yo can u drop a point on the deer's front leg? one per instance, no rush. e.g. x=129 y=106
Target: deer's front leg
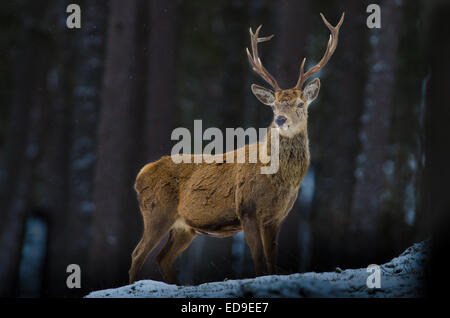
x=253 y=237
x=269 y=234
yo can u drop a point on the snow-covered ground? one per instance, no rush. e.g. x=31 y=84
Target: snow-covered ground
x=403 y=276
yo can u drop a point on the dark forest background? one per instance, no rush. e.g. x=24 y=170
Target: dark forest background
x=82 y=110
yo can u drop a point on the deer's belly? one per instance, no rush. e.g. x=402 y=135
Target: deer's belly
x=209 y=218
x=207 y=203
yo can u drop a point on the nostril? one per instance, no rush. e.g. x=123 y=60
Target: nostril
x=280 y=120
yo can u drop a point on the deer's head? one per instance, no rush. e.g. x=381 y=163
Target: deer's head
x=290 y=106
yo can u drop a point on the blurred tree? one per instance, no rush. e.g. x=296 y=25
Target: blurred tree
x=334 y=127
x=370 y=187
x=114 y=227
x=70 y=148
x=403 y=165
x=24 y=138
x=83 y=130
x=138 y=105
x=292 y=38
x=55 y=160
x=160 y=105
x=158 y=89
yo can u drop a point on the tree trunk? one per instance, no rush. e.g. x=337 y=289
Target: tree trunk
x=71 y=146
x=23 y=146
x=158 y=90
x=160 y=110
x=114 y=199
x=293 y=19
x=55 y=164
x=334 y=140
x=367 y=205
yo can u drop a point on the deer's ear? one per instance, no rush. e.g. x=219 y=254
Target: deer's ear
x=264 y=95
x=311 y=90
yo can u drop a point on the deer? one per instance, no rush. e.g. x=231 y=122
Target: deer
x=185 y=200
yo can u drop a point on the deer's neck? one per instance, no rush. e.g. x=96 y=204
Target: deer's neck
x=293 y=158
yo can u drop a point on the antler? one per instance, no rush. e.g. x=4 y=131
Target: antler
x=332 y=43
x=255 y=61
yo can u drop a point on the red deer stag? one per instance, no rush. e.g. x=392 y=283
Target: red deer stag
x=189 y=199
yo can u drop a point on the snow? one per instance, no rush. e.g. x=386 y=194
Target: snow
x=403 y=276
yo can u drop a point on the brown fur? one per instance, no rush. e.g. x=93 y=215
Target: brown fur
x=221 y=199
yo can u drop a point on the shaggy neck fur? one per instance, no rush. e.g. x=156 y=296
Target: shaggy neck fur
x=294 y=158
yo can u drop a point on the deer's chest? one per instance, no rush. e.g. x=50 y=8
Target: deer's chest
x=275 y=206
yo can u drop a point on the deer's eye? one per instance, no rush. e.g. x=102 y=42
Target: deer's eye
x=300 y=105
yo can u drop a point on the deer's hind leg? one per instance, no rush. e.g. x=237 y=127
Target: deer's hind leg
x=157 y=222
x=180 y=237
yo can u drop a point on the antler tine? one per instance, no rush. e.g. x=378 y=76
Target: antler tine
x=255 y=61
x=331 y=47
